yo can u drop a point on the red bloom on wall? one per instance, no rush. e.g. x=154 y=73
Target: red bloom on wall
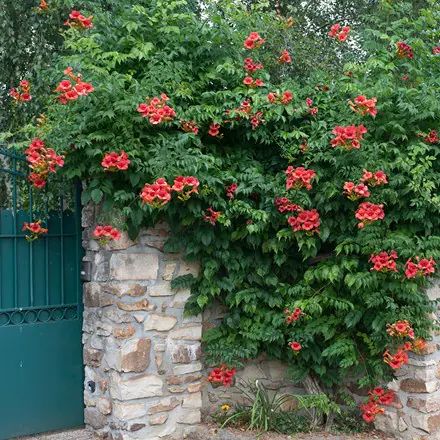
x=355 y=192
x=157 y=110
x=114 y=161
x=185 y=186
x=189 y=126
x=285 y=57
x=401 y=329
x=253 y=41
x=348 y=137
x=157 y=194
x=283 y=204
x=295 y=346
x=250 y=82
x=251 y=66
x=368 y=213
x=106 y=233
x=306 y=220
x=436 y=50
x=396 y=360
x=404 y=50
x=364 y=106
x=284 y=99
x=299 y=177
x=71 y=89
x=230 y=191
x=339 y=32
x=214 y=130
x=43 y=6
x=222 y=376
x=211 y=216
x=22 y=92
x=376 y=178
x=384 y=261
x=79 y=21
x=34 y=229
x=431 y=137
x=378 y=396
x=293 y=316
x=421 y=268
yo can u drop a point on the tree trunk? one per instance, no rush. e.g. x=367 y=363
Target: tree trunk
x=312 y=386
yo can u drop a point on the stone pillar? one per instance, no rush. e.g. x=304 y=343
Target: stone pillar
x=142 y=356
x=416 y=416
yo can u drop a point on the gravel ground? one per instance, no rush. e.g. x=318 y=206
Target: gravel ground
x=209 y=432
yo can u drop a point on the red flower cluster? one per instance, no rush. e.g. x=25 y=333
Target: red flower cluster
x=364 y=106
x=398 y=359
x=43 y=6
x=230 y=191
x=313 y=111
x=114 y=161
x=384 y=262
x=285 y=99
x=285 y=57
x=348 y=137
x=309 y=102
x=35 y=230
x=251 y=66
x=369 y=212
x=377 y=178
x=295 y=346
x=156 y=110
x=185 y=186
x=432 y=137
x=189 y=126
x=423 y=267
x=42 y=161
x=354 y=192
x=22 y=93
x=256 y=120
x=283 y=204
x=253 y=41
x=156 y=194
x=339 y=32
x=251 y=82
x=77 y=20
x=419 y=345
x=293 y=316
x=401 y=329
x=404 y=50
x=308 y=221
x=299 y=177
x=436 y=50
x=71 y=90
x=378 y=396
x=222 y=375
x=106 y=233
x=211 y=216
x=214 y=130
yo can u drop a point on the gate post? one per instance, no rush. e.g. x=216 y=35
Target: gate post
x=416 y=415
x=142 y=356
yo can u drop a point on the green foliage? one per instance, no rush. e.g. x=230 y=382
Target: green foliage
x=252 y=262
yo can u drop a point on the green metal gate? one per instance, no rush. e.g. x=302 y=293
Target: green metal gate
x=41 y=371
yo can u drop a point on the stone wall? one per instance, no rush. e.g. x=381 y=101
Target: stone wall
x=142 y=356
x=416 y=415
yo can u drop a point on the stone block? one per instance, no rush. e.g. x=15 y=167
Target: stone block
x=161 y=289
x=137 y=306
x=94 y=418
x=190 y=333
x=429 y=423
x=104 y=406
x=92 y=357
x=189 y=416
x=95 y=297
x=158 y=419
x=426 y=405
x=187 y=368
x=418 y=386
x=188 y=267
x=168 y=271
x=128 y=411
x=194 y=387
x=193 y=401
x=137 y=387
x=123 y=332
x=185 y=354
x=180 y=298
x=136 y=355
x=160 y=323
x=134 y=266
x=178 y=380
x=165 y=405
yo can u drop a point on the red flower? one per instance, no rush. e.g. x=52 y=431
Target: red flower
x=404 y=50
x=354 y=192
x=384 y=262
x=295 y=346
x=299 y=177
x=251 y=66
x=309 y=102
x=396 y=360
x=436 y=50
x=364 y=106
x=35 y=230
x=313 y=111
x=211 y=216
x=106 y=233
x=185 y=186
x=285 y=99
x=71 y=92
x=114 y=161
x=293 y=316
x=156 y=110
x=419 y=345
x=22 y=93
x=338 y=32
x=377 y=178
x=78 y=21
x=189 y=126
x=157 y=194
x=348 y=137
x=308 y=221
x=369 y=212
x=248 y=81
x=401 y=329
x=214 y=130
x=253 y=41
x=432 y=137
x=283 y=204
x=230 y=191
x=285 y=57
x=423 y=267
x=43 y=5
x=222 y=376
